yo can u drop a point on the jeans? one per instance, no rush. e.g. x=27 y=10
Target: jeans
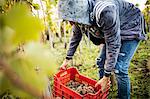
x=127 y=50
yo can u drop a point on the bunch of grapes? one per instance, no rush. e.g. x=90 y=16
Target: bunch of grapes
x=80 y=87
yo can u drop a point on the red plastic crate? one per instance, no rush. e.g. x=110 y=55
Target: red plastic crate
x=61 y=90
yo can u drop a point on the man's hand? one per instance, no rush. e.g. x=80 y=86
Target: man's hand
x=64 y=64
x=104 y=83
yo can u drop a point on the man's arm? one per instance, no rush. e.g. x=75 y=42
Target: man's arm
x=76 y=38
x=110 y=25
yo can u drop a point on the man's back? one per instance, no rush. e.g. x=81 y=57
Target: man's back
x=130 y=18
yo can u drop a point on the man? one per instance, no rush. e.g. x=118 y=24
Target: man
x=116 y=23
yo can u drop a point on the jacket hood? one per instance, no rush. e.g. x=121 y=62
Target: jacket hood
x=75 y=10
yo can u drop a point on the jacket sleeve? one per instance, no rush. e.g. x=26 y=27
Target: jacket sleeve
x=75 y=40
x=108 y=22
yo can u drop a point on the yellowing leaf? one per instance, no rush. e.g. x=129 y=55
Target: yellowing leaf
x=2 y=2
x=7 y=86
x=26 y=27
x=5 y=40
x=41 y=57
x=25 y=71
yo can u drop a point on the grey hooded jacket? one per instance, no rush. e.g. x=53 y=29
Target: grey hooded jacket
x=117 y=20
